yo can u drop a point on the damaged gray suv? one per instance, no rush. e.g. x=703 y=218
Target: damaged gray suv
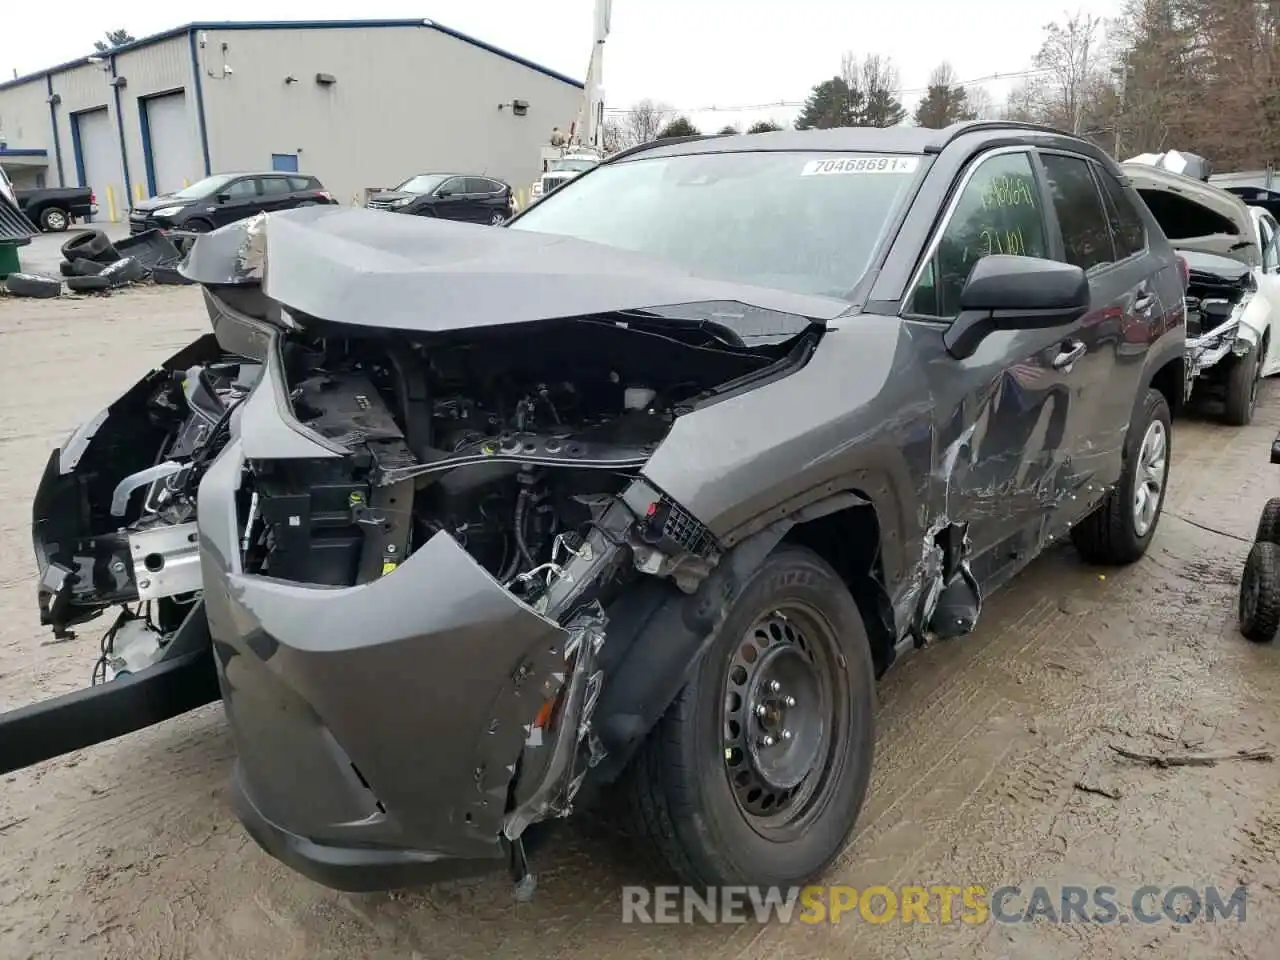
x=641 y=492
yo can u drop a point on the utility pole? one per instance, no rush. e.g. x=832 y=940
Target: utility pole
x=1083 y=77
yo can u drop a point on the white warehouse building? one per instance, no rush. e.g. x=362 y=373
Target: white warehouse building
x=361 y=104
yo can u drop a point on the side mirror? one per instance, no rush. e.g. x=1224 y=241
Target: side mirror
x=1016 y=293
x=444 y=193
x=223 y=198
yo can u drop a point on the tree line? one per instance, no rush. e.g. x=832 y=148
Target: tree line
x=865 y=92
x=1195 y=75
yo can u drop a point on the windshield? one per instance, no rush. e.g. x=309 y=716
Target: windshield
x=576 y=166
x=803 y=222
x=202 y=188
x=422 y=183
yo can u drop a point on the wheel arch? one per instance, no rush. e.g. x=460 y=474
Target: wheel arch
x=1167 y=373
x=657 y=635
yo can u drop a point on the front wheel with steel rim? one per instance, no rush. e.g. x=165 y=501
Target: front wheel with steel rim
x=1120 y=529
x=756 y=773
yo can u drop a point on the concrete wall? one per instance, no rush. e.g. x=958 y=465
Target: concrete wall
x=406 y=100
x=25 y=125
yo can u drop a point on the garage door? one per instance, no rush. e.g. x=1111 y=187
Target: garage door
x=172 y=138
x=98 y=156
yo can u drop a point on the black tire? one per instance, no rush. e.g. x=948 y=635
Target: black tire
x=1111 y=535
x=678 y=788
x=80 y=267
x=54 y=220
x=31 y=285
x=198 y=226
x=1260 y=593
x=67 y=269
x=1242 y=388
x=128 y=270
x=91 y=245
x=88 y=284
x=1269 y=523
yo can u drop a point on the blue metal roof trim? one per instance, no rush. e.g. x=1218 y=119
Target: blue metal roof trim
x=296 y=25
x=23 y=152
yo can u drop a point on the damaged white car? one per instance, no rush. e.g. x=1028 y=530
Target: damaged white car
x=1233 y=284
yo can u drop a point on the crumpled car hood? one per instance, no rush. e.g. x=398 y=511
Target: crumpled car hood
x=1218 y=266
x=363 y=267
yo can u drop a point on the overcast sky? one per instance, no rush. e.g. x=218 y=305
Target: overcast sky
x=691 y=54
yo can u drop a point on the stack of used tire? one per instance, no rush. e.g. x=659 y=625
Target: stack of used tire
x=93 y=264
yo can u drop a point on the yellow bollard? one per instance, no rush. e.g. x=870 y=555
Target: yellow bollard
x=138 y=194
x=185 y=183
x=111 y=204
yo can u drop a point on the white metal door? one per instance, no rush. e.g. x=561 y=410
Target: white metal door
x=99 y=158
x=172 y=136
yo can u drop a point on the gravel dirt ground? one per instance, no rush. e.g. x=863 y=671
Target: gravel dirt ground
x=986 y=747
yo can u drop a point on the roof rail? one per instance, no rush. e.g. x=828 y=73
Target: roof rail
x=664 y=142
x=957 y=130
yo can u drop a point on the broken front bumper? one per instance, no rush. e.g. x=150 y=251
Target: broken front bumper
x=378 y=727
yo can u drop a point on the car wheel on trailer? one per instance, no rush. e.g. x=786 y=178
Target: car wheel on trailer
x=757 y=771
x=198 y=226
x=31 y=285
x=1120 y=529
x=1260 y=593
x=1243 y=380
x=54 y=220
x=497 y=219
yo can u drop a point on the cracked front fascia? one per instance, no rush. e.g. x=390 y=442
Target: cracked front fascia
x=363 y=682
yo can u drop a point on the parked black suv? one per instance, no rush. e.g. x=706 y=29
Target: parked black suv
x=449 y=196
x=225 y=198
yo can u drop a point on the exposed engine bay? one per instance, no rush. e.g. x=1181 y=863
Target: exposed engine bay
x=513 y=444
x=1219 y=291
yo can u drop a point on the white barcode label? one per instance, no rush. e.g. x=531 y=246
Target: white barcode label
x=817 y=168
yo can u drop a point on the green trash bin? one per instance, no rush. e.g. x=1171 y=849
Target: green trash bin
x=8 y=259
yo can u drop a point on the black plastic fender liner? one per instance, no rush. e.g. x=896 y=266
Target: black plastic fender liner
x=662 y=634
x=657 y=635
x=187 y=679
x=168 y=273
x=33 y=285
